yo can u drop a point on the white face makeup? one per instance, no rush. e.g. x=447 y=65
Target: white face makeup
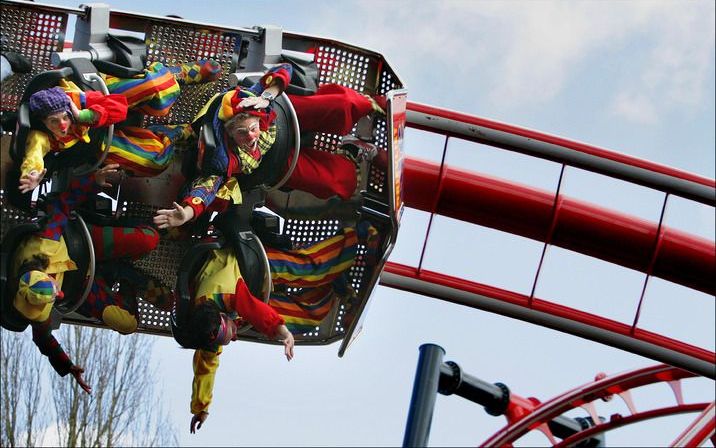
x=58 y=123
x=56 y=291
x=245 y=133
x=227 y=330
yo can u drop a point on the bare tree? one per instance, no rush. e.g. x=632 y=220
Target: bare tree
x=123 y=409
x=22 y=401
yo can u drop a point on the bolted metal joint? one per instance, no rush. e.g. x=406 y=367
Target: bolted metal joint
x=450 y=382
x=499 y=406
x=598 y=440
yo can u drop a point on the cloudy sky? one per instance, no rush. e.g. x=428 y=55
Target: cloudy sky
x=634 y=77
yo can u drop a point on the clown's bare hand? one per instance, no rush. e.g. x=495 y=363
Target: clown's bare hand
x=101 y=175
x=77 y=372
x=75 y=111
x=30 y=181
x=173 y=217
x=199 y=418
x=256 y=101
x=286 y=337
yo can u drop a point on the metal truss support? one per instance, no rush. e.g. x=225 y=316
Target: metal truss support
x=447 y=378
x=422 y=402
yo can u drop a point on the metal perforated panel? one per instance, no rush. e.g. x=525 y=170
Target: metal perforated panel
x=175 y=43
x=151 y=318
x=352 y=69
x=377 y=176
x=172 y=45
x=341 y=66
x=10 y=215
x=377 y=179
x=358 y=270
x=388 y=82
x=163 y=261
x=303 y=233
x=326 y=142
x=35 y=35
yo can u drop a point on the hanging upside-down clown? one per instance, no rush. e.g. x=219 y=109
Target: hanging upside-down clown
x=68 y=115
x=222 y=301
x=42 y=260
x=245 y=130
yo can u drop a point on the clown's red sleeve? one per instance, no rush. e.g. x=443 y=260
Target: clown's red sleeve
x=281 y=73
x=108 y=109
x=48 y=345
x=263 y=318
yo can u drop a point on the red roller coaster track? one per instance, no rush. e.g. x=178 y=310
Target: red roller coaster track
x=618 y=238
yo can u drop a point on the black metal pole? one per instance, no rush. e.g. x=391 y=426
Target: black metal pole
x=496 y=397
x=425 y=390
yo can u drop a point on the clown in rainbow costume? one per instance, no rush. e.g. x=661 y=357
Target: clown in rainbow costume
x=69 y=116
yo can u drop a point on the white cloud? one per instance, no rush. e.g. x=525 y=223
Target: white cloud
x=634 y=107
x=524 y=54
x=545 y=42
x=678 y=68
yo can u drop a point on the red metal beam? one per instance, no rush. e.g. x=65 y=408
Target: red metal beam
x=561 y=150
x=583 y=394
x=560 y=141
x=585 y=228
x=618 y=421
x=700 y=430
x=551 y=315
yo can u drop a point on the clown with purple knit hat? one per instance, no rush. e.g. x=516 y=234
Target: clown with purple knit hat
x=67 y=114
x=49 y=101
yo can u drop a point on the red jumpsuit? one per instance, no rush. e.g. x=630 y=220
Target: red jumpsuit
x=332 y=109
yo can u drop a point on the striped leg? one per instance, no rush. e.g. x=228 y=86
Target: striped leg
x=152 y=93
x=305 y=311
x=141 y=151
x=315 y=265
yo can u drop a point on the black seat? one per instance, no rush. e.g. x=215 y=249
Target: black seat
x=74 y=70
x=75 y=284
x=252 y=271
x=129 y=54
x=25 y=121
x=190 y=265
x=236 y=224
x=10 y=318
x=253 y=264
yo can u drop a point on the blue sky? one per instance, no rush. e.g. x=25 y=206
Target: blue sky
x=634 y=77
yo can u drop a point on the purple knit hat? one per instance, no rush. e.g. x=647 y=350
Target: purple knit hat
x=49 y=101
